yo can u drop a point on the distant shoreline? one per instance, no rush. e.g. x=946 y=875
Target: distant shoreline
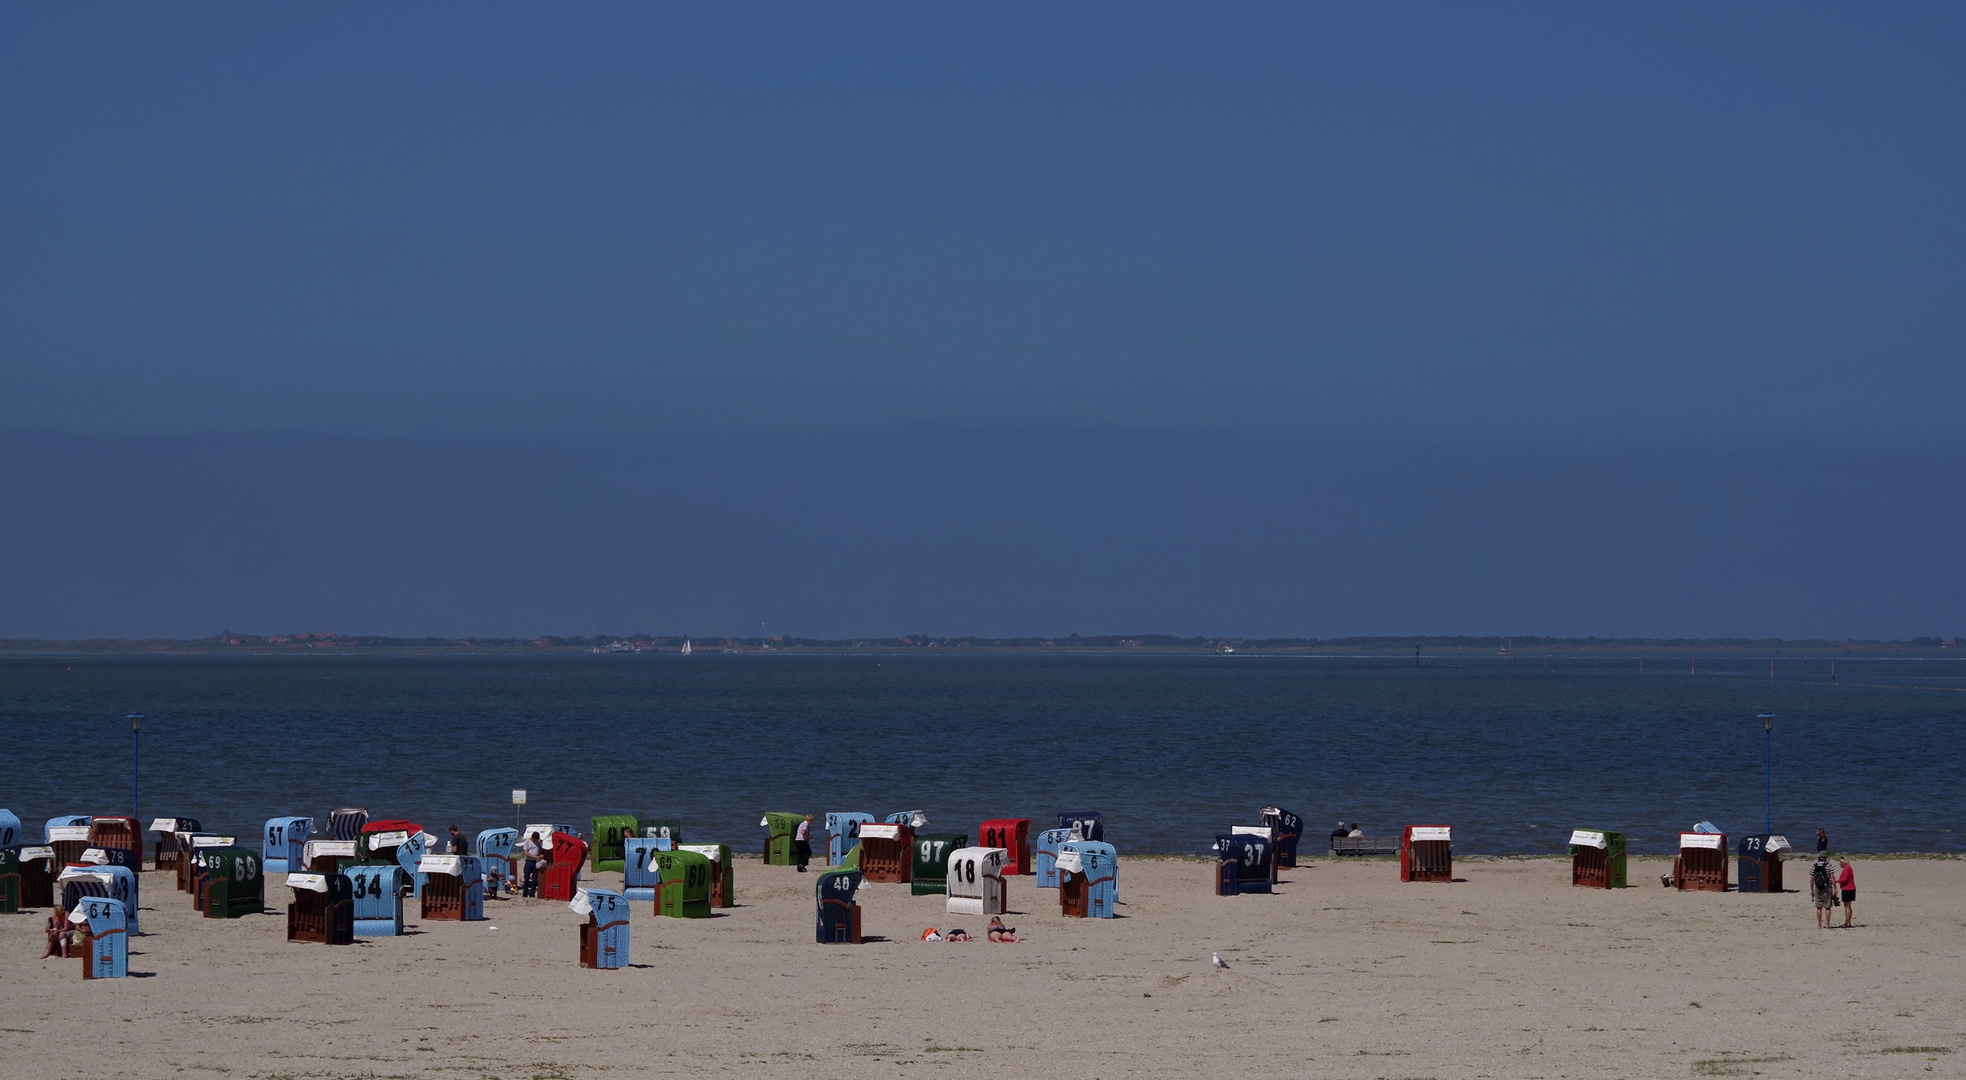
x=1520 y=649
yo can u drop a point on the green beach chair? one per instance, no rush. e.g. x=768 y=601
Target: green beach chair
x=685 y=889
x=779 y=830
x=609 y=831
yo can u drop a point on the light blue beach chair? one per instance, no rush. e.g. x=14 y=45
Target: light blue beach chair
x=604 y=938
x=1044 y=856
x=1100 y=865
x=118 y=883
x=285 y=844
x=108 y=956
x=842 y=832
x=378 y=890
x=494 y=848
x=640 y=872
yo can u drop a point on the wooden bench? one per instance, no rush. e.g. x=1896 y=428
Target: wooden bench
x=1365 y=845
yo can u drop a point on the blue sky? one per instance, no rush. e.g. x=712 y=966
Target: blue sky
x=1497 y=234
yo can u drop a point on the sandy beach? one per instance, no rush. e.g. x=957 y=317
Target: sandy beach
x=1345 y=972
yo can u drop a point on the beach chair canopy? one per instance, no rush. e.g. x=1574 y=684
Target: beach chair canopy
x=346 y=823
x=102 y=914
x=639 y=869
x=838 y=886
x=1091 y=824
x=692 y=868
x=310 y=882
x=1044 y=854
x=497 y=843
x=66 y=827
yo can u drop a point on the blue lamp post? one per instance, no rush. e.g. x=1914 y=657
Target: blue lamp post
x=1768 y=770
x=136 y=748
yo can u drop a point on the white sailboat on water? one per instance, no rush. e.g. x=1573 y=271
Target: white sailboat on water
x=685 y=646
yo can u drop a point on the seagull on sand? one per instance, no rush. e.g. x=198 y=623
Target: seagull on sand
x=1219 y=962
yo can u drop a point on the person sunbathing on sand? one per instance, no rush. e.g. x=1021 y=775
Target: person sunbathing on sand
x=1000 y=933
x=958 y=934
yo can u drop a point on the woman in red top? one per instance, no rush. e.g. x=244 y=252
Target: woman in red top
x=1846 y=879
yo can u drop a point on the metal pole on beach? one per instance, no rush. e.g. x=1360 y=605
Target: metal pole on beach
x=136 y=749
x=1768 y=770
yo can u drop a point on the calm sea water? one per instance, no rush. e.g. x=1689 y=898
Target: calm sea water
x=1172 y=749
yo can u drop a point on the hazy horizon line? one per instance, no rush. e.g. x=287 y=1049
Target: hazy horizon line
x=241 y=639
x=1600 y=441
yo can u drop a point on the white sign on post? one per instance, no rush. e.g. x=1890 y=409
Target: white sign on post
x=518 y=796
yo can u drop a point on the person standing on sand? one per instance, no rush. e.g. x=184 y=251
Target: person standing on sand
x=802 y=843
x=1846 y=880
x=1822 y=891
x=1822 y=841
x=458 y=844
x=533 y=854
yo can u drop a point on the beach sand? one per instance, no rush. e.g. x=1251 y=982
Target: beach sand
x=1345 y=972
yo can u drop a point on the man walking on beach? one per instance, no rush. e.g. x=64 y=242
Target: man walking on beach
x=1822 y=841
x=802 y=843
x=1846 y=880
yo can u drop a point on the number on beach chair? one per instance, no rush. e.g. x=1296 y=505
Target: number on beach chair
x=284 y=844
x=976 y=882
